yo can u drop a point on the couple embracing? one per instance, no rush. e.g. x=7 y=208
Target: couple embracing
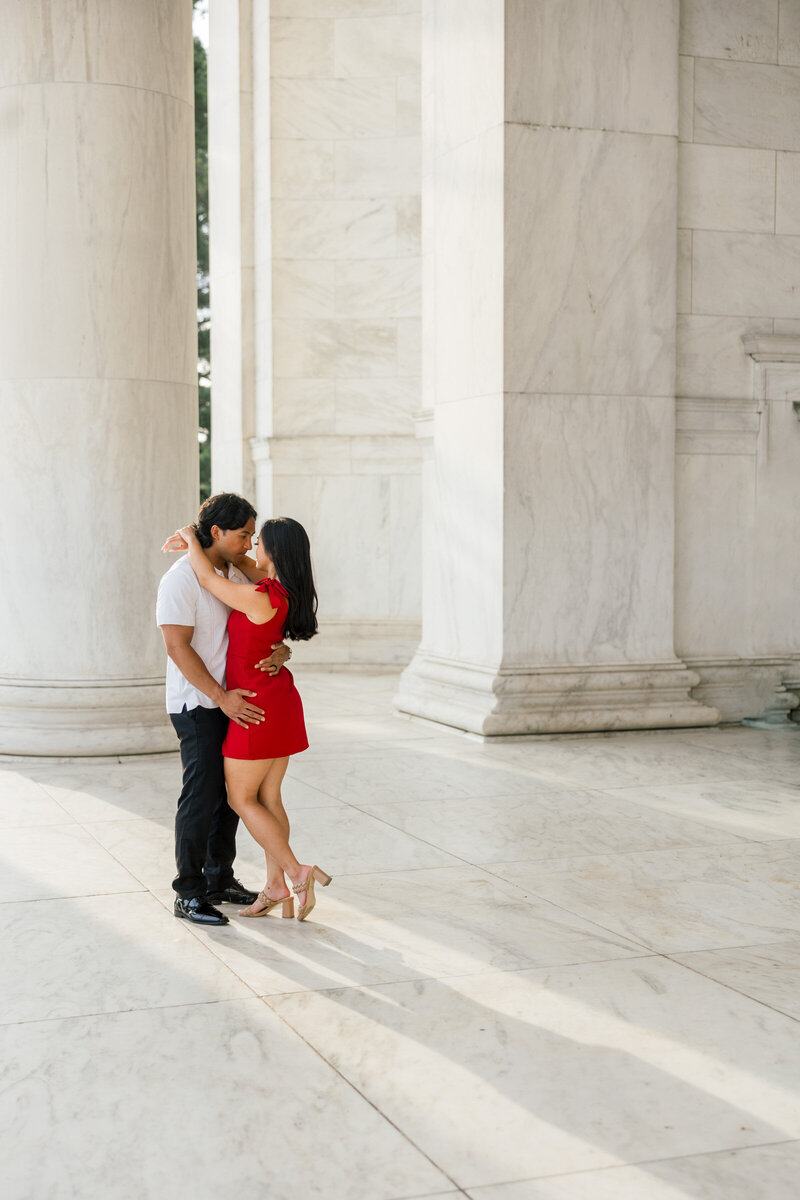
x=235 y=708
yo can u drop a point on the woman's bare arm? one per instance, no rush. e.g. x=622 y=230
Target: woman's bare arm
x=241 y=596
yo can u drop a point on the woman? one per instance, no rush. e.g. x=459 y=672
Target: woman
x=281 y=602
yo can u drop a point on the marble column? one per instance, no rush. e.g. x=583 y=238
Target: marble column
x=549 y=244
x=98 y=359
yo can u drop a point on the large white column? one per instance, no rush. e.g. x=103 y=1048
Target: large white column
x=98 y=362
x=550 y=199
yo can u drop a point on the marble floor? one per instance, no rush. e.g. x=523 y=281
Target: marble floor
x=556 y=969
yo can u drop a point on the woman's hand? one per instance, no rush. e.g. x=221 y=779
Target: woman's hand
x=176 y=542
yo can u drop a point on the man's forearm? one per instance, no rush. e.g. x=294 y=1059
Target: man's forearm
x=192 y=667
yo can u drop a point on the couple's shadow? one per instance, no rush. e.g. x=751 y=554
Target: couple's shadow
x=459 y=1057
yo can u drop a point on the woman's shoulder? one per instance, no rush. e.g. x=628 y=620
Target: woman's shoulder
x=273 y=588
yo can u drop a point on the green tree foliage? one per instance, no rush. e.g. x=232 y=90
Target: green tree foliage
x=203 y=302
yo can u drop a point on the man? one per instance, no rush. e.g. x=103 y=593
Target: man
x=194 y=625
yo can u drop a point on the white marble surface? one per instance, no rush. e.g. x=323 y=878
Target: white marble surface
x=742 y=273
x=513 y=1029
x=536 y=1056
x=111 y=42
x=787 y=197
x=618 y=447
x=98 y=349
x=135 y=1070
x=605 y=321
x=752 y=1173
x=627 y=84
x=746 y=104
x=727 y=188
x=718 y=29
x=675 y=900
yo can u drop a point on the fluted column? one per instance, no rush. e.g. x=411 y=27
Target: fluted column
x=98 y=363
x=549 y=218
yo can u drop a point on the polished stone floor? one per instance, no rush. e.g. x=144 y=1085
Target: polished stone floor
x=557 y=969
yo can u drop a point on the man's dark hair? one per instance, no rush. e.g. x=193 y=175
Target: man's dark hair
x=227 y=510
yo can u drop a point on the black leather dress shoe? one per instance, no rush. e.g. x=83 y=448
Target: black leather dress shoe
x=198 y=909
x=235 y=893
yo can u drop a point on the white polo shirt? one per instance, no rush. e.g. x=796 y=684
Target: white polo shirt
x=182 y=601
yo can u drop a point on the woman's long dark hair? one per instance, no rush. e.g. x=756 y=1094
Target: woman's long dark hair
x=287 y=544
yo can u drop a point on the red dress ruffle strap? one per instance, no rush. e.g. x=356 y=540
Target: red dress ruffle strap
x=273 y=587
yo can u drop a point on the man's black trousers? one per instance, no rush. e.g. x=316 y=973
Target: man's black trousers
x=205 y=826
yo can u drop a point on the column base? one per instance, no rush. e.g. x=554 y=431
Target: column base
x=505 y=702
x=77 y=719
x=748 y=688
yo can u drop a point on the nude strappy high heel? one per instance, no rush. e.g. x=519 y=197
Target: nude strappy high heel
x=307 y=886
x=286 y=902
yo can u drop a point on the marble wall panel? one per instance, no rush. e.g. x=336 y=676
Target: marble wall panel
x=626 y=83
x=304 y=406
x=409 y=105
x=303 y=287
x=711 y=358
x=340 y=348
x=341 y=229
x=378 y=288
x=713 y=593
x=142 y=45
x=378 y=167
x=405 y=548
x=585 y=483
x=787 y=200
x=124 y=187
x=409 y=225
x=377 y=46
x=302 y=169
x=301 y=48
x=737 y=29
x=409 y=347
x=746 y=104
x=725 y=188
x=590 y=303
x=334 y=108
x=376 y=405
x=789 y=39
x=745 y=274
x=354 y=574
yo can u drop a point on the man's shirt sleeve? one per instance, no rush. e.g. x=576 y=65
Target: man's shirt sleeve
x=177 y=599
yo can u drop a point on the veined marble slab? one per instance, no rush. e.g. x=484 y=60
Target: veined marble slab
x=135 y=1071
x=677 y=900
x=753 y=1173
x=542 y=826
x=95 y=954
x=394 y=926
x=533 y=1073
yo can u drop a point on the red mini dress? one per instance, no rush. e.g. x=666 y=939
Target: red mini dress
x=283 y=730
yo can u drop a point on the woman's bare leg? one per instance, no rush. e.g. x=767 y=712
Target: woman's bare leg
x=269 y=795
x=243 y=780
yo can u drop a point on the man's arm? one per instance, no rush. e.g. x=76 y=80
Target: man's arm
x=177 y=639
